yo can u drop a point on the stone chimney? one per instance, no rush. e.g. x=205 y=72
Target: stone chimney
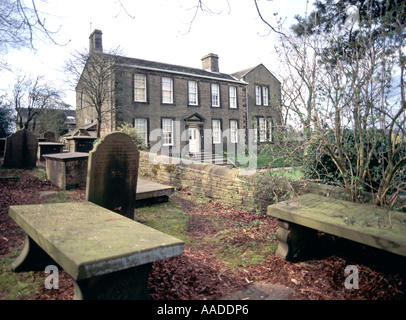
x=95 y=42
x=210 y=62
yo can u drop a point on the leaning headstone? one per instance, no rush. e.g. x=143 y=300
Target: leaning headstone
x=21 y=150
x=112 y=174
x=50 y=136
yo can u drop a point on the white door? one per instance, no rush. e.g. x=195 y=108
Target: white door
x=194 y=140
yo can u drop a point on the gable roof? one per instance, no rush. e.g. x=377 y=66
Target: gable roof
x=171 y=68
x=195 y=117
x=241 y=74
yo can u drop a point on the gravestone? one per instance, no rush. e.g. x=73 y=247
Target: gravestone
x=48 y=148
x=80 y=143
x=2 y=146
x=50 y=136
x=21 y=150
x=112 y=174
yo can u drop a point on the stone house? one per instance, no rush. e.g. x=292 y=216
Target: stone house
x=182 y=109
x=263 y=101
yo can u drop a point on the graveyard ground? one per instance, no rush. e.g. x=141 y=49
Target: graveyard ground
x=227 y=253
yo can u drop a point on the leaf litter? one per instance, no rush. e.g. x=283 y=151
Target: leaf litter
x=199 y=275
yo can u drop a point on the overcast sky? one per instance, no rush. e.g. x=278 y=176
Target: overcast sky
x=158 y=30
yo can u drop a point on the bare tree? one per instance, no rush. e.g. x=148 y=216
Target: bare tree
x=20 y=24
x=93 y=78
x=346 y=86
x=32 y=95
x=6 y=117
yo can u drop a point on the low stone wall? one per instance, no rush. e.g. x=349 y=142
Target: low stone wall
x=222 y=184
x=230 y=187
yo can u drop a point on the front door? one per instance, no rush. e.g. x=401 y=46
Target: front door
x=194 y=140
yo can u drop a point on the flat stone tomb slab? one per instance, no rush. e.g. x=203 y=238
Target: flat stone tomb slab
x=68 y=156
x=147 y=190
x=365 y=224
x=90 y=242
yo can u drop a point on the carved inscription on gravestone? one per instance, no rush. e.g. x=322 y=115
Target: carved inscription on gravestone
x=21 y=150
x=112 y=174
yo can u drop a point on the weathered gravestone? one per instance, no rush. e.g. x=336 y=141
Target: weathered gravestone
x=112 y=174
x=50 y=136
x=2 y=146
x=21 y=150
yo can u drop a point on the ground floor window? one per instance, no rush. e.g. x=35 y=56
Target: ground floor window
x=233 y=131
x=216 y=131
x=141 y=125
x=264 y=130
x=167 y=132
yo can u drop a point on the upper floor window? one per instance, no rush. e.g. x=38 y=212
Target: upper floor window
x=140 y=87
x=257 y=95
x=193 y=93
x=261 y=95
x=233 y=97
x=215 y=95
x=265 y=96
x=167 y=90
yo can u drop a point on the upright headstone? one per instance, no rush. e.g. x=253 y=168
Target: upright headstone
x=21 y=150
x=112 y=173
x=50 y=136
x=2 y=146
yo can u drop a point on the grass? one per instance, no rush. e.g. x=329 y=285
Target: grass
x=238 y=244
x=61 y=196
x=17 y=286
x=265 y=159
x=165 y=217
x=290 y=173
x=40 y=172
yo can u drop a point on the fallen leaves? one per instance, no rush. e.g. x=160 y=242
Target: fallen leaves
x=198 y=274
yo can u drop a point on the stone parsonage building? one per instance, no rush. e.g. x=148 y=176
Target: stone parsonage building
x=195 y=109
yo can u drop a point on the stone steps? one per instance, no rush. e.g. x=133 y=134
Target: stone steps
x=208 y=157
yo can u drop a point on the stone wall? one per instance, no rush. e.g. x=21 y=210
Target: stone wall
x=154 y=110
x=231 y=187
x=224 y=185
